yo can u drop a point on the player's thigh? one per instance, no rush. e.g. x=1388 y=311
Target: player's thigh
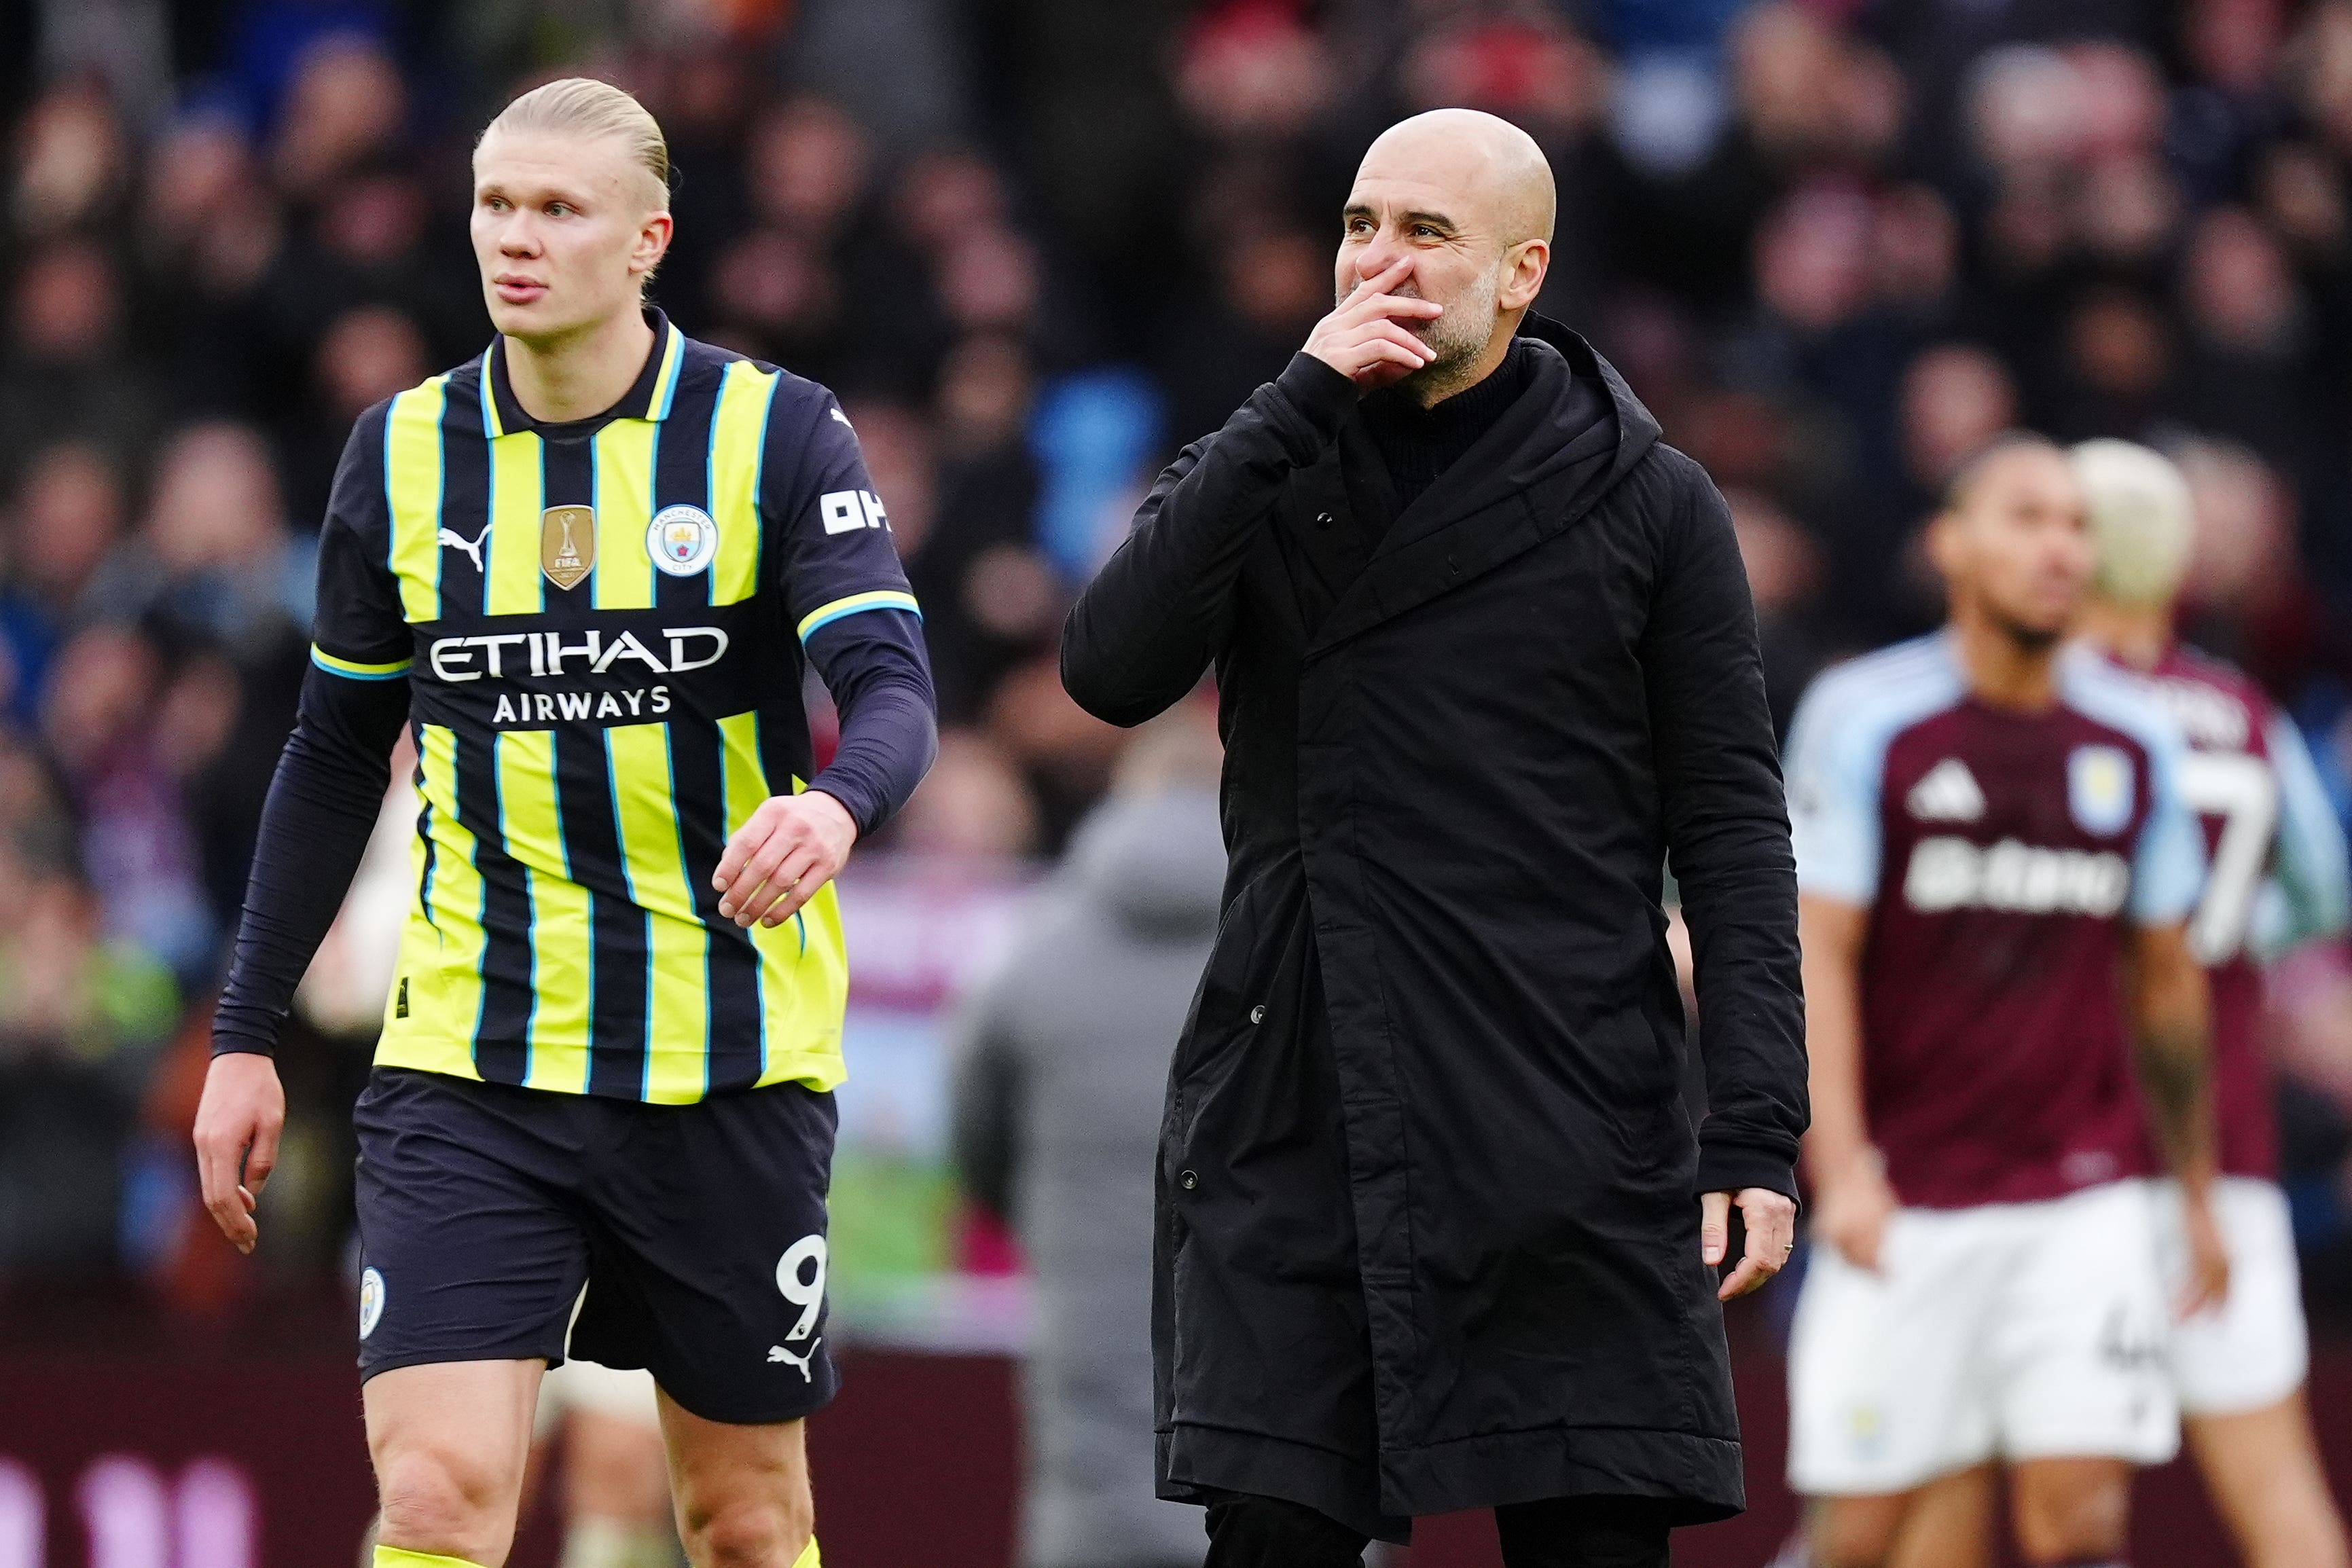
x=471 y=1246
x=2264 y=1470
x=2078 y=1338
x=1948 y=1524
x=1885 y=1392
x=742 y=1492
x=709 y=1257
x=450 y=1441
x=2252 y=1351
x=1943 y=1524
x=2070 y=1509
x=614 y=1464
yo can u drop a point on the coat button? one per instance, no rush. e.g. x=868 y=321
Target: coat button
x=1322 y=519
x=1257 y=1013
x=1188 y=1181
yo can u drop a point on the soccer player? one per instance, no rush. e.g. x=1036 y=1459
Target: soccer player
x=1996 y=868
x=587 y=570
x=2278 y=878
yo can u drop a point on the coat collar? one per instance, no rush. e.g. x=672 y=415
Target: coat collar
x=1525 y=480
x=649 y=397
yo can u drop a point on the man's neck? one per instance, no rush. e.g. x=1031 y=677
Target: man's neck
x=1429 y=393
x=2003 y=671
x=580 y=373
x=2137 y=635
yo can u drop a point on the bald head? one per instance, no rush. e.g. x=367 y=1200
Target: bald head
x=1494 y=171
x=1461 y=203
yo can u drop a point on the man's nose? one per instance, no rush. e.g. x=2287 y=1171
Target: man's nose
x=1379 y=254
x=517 y=237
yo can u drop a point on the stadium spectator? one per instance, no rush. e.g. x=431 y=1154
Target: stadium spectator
x=1061 y=1060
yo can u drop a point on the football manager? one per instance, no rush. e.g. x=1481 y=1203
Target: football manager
x=1434 y=1228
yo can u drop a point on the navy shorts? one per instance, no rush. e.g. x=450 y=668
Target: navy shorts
x=698 y=1230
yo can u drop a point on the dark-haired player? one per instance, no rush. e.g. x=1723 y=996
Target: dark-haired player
x=1996 y=870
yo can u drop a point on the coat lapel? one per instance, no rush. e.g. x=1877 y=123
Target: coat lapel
x=1524 y=481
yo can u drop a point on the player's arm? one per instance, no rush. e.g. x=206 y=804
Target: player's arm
x=860 y=627
x=2171 y=1033
x=1140 y=636
x=2314 y=878
x=1835 y=776
x=315 y=825
x=1726 y=826
x=1852 y=1199
x=2170 y=1016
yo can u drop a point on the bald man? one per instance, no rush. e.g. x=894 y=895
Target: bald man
x=1435 y=1230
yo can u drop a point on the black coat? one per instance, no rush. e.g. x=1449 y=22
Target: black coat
x=1428 y=1229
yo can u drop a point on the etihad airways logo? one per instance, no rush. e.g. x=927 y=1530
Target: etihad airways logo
x=515 y=655
x=510 y=655
x=1947 y=873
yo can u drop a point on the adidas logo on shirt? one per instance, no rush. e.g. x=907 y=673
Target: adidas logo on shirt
x=1948 y=793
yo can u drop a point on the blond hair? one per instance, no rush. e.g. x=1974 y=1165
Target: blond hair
x=2142 y=516
x=585 y=106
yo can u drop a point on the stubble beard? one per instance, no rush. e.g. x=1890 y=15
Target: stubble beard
x=1459 y=337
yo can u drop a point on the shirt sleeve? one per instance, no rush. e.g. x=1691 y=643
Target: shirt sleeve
x=2312 y=875
x=839 y=557
x=2169 y=862
x=1834 y=780
x=849 y=601
x=360 y=633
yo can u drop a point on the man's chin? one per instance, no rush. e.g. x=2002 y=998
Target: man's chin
x=532 y=320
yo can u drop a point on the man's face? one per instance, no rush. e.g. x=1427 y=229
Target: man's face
x=1417 y=208
x=2019 y=546
x=564 y=229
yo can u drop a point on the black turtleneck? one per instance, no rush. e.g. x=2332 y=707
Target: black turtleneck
x=1416 y=445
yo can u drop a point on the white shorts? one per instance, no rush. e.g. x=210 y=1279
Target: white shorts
x=2252 y=1351
x=626 y=1394
x=2012 y=1331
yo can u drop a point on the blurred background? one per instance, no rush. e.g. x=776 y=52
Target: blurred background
x=1036 y=245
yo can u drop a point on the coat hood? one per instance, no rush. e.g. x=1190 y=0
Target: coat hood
x=1552 y=455
x=1155 y=863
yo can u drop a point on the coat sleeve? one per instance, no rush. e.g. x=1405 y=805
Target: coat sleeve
x=1726 y=828
x=1162 y=607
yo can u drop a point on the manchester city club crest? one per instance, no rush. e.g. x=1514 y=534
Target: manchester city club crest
x=567 y=544
x=682 y=540
x=370 y=1301
x=2099 y=790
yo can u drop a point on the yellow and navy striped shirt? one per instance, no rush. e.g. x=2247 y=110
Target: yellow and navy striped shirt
x=603 y=625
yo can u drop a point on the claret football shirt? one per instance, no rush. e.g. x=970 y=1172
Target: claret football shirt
x=2002 y=856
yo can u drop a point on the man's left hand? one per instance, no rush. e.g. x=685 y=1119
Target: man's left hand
x=1771 y=1235
x=793 y=845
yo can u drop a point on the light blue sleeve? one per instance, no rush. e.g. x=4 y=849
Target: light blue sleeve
x=1835 y=778
x=2168 y=865
x=2313 y=874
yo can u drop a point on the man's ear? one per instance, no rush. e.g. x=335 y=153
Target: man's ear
x=653 y=243
x=1524 y=266
x=1940 y=540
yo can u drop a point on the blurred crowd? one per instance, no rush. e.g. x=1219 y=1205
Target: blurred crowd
x=1037 y=245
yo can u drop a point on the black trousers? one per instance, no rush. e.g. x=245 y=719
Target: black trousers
x=1559 y=1532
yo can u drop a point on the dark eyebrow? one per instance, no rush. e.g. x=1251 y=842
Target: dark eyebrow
x=1434 y=220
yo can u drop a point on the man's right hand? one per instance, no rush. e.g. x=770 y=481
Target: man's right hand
x=1851 y=1212
x=237 y=1123
x=1364 y=339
